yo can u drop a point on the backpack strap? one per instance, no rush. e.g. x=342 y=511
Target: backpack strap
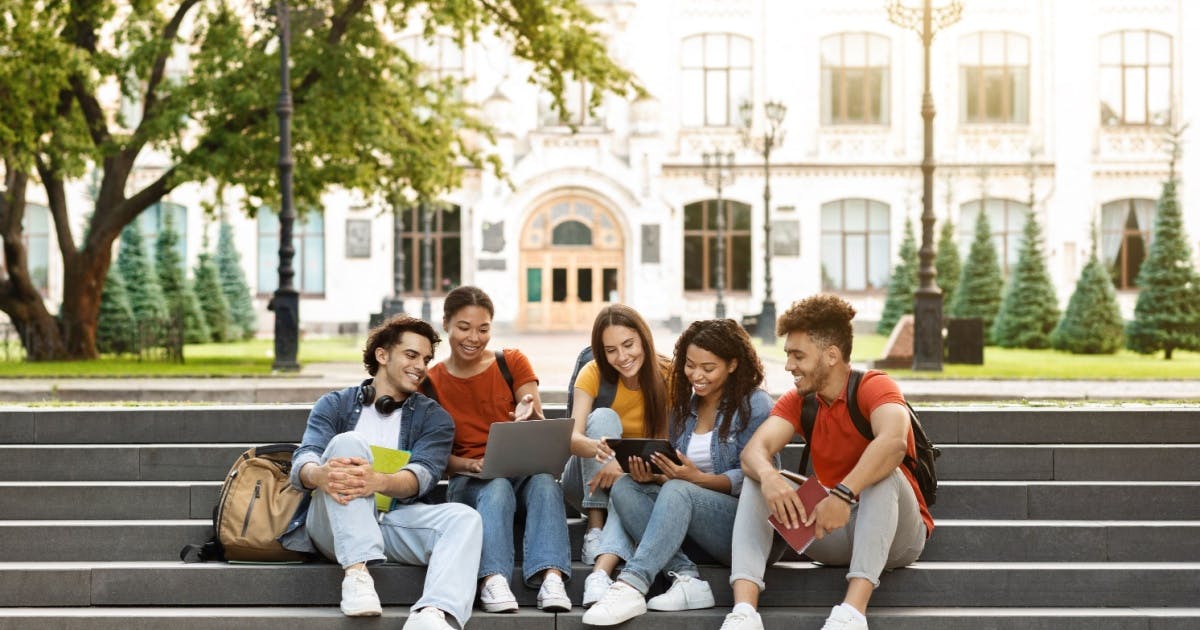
x=503 y=365
x=808 y=419
x=606 y=394
x=856 y=415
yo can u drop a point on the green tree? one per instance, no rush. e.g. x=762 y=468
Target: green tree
x=370 y=117
x=902 y=284
x=1092 y=323
x=1167 y=314
x=979 y=286
x=1029 y=311
x=180 y=299
x=115 y=333
x=947 y=263
x=234 y=285
x=212 y=299
x=141 y=282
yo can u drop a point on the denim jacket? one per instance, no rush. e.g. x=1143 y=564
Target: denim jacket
x=726 y=454
x=426 y=431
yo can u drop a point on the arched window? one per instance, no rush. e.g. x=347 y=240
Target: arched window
x=855 y=245
x=716 y=72
x=1006 y=221
x=855 y=79
x=571 y=233
x=445 y=237
x=308 y=237
x=1126 y=230
x=700 y=260
x=994 y=77
x=1135 y=78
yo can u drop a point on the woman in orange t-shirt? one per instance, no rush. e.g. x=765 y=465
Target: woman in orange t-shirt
x=472 y=389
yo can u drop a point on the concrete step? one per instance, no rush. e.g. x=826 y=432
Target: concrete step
x=255 y=424
x=953 y=540
x=330 y=618
x=925 y=584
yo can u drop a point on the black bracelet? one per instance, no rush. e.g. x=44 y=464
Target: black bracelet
x=841 y=487
x=838 y=493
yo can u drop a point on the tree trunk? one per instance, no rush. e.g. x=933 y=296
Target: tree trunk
x=81 y=304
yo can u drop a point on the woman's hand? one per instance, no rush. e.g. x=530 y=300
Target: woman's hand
x=605 y=477
x=524 y=410
x=686 y=470
x=472 y=465
x=640 y=471
x=603 y=452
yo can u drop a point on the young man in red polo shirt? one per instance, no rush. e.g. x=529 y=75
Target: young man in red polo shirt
x=874 y=517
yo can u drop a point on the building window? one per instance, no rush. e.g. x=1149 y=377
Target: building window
x=1135 y=78
x=855 y=79
x=1125 y=233
x=994 y=78
x=151 y=222
x=35 y=230
x=716 y=79
x=445 y=235
x=855 y=245
x=576 y=96
x=700 y=246
x=1006 y=221
x=308 y=237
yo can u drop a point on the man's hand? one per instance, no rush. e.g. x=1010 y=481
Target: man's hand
x=781 y=497
x=347 y=478
x=830 y=514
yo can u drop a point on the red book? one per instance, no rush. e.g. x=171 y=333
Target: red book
x=811 y=493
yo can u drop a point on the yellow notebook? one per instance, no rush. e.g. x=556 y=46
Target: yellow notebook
x=387 y=460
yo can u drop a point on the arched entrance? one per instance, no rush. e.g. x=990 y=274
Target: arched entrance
x=572 y=263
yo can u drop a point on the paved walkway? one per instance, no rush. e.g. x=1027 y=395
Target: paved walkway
x=553 y=356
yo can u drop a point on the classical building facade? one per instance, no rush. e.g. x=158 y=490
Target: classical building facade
x=1059 y=106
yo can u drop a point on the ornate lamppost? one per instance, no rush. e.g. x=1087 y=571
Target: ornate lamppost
x=426 y=210
x=772 y=136
x=286 y=301
x=395 y=304
x=718 y=173
x=927 y=307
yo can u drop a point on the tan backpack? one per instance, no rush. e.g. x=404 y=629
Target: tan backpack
x=254 y=508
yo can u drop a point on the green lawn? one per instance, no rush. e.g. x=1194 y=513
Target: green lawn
x=1034 y=364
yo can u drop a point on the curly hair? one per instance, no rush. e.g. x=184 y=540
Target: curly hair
x=389 y=334
x=728 y=340
x=825 y=317
x=650 y=377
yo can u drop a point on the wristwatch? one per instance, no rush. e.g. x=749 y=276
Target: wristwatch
x=843 y=492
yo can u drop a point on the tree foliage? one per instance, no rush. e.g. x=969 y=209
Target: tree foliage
x=115 y=333
x=979 y=286
x=234 y=285
x=212 y=299
x=1092 y=322
x=902 y=284
x=1029 y=311
x=182 y=306
x=1167 y=314
x=947 y=263
x=141 y=282
x=202 y=79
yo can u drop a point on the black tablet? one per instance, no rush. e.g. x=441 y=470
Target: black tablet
x=643 y=448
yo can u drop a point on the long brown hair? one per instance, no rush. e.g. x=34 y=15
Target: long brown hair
x=728 y=340
x=650 y=375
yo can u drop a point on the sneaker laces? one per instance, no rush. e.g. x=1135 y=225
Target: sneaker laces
x=614 y=592
x=733 y=620
x=493 y=586
x=437 y=612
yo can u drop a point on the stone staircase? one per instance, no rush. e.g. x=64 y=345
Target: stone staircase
x=1064 y=518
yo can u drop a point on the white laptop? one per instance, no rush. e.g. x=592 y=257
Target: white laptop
x=529 y=447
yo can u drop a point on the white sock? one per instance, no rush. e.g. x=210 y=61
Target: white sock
x=494 y=576
x=602 y=572
x=857 y=615
x=745 y=609
x=552 y=577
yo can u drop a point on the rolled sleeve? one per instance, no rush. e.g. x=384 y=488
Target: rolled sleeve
x=321 y=427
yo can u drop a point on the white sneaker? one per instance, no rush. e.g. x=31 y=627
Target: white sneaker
x=591 y=540
x=686 y=593
x=845 y=617
x=595 y=586
x=552 y=596
x=621 y=602
x=495 y=595
x=359 y=598
x=738 y=621
x=428 y=618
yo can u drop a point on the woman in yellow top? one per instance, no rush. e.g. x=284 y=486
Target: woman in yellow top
x=624 y=354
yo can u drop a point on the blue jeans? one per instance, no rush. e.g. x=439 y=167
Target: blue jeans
x=446 y=538
x=546 y=543
x=601 y=423
x=660 y=517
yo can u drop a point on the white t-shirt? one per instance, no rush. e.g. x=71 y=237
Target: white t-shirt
x=377 y=429
x=700 y=451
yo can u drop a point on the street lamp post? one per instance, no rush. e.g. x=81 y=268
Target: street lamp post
x=395 y=305
x=927 y=306
x=772 y=136
x=426 y=209
x=718 y=172
x=286 y=301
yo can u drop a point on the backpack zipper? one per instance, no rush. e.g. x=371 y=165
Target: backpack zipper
x=250 y=508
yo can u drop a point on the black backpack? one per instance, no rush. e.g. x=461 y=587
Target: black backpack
x=428 y=390
x=608 y=390
x=922 y=467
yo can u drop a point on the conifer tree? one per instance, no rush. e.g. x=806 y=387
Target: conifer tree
x=1167 y=314
x=233 y=284
x=947 y=263
x=115 y=331
x=1029 y=310
x=979 y=285
x=145 y=294
x=212 y=299
x=1092 y=323
x=177 y=292
x=902 y=285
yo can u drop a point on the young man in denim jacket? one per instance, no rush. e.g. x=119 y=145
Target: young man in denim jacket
x=335 y=462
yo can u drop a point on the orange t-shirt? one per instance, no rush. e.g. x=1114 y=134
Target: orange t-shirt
x=837 y=444
x=477 y=401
